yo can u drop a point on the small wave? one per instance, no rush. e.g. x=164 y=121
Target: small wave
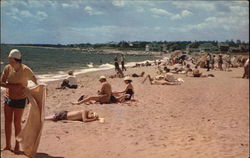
x=106 y=66
x=60 y=75
x=90 y=65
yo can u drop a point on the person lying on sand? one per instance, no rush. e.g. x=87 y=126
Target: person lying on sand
x=136 y=75
x=159 y=81
x=80 y=115
x=104 y=95
x=69 y=82
x=127 y=94
x=119 y=74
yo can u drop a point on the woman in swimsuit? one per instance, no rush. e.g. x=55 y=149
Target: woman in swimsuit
x=127 y=93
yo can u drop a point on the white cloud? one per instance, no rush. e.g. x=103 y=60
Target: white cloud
x=229 y=23
x=140 y=9
x=41 y=15
x=161 y=12
x=25 y=13
x=29 y=3
x=176 y=17
x=202 y=5
x=239 y=10
x=72 y=5
x=89 y=10
x=185 y=13
x=157 y=28
x=19 y=14
x=118 y=3
x=158 y=11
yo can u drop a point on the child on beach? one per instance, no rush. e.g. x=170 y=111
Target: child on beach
x=70 y=81
x=80 y=115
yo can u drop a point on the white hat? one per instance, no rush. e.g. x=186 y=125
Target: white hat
x=102 y=77
x=15 y=53
x=127 y=78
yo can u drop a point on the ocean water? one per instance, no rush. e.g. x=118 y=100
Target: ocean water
x=53 y=64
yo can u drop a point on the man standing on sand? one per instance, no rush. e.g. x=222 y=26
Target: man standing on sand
x=208 y=61
x=123 y=63
x=116 y=63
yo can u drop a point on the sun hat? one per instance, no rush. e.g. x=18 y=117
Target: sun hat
x=127 y=78
x=15 y=53
x=102 y=77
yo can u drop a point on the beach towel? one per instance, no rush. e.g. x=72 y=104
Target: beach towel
x=29 y=137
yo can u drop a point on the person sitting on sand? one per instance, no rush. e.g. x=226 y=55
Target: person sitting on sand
x=220 y=62
x=196 y=72
x=80 y=115
x=69 y=82
x=136 y=75
x=128 y=93
x=104 y=95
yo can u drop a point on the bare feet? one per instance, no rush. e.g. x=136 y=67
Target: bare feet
x=6 y=148
x=74 y=103
x=17 y=150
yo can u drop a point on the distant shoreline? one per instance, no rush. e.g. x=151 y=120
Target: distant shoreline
x=99 y=50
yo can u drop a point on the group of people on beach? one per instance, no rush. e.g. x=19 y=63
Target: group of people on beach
x=15 y=76
x=14 y=79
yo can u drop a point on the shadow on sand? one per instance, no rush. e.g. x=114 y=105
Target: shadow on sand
x=44 y=155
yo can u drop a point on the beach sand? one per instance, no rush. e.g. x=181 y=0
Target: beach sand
x=201 y=118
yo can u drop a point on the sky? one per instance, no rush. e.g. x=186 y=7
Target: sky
x=102 y=21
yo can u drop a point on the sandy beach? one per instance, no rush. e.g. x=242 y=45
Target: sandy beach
x=201 y=118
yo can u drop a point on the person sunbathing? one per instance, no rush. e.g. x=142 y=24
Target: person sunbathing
x=119 y=74
x=136 y=75
x=104 y=95
x=127 y=94
x=80 y=115
x=159 y=81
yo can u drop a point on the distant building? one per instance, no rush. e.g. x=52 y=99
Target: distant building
x=147 y=48
x=244 y=47
x=208 y=47
x=153 y=47
x=223 y=47
x=234 y=50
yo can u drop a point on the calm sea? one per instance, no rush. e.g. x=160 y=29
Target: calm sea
x=53 y=64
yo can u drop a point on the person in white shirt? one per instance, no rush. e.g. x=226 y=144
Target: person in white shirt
x=70 y=81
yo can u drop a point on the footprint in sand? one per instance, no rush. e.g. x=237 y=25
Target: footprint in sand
x=233 y=124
